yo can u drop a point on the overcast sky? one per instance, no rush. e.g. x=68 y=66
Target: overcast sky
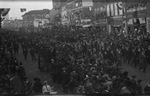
x=29 y=5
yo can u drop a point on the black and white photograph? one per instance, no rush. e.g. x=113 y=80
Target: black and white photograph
x=75 y=47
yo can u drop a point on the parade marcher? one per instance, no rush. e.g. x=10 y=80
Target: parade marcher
x=143 y=62
x=64 y=80
x=32 y=53
x=21 y=72
x=16 y=83
x=139 y=87
x=25 y=52
x=133 y=84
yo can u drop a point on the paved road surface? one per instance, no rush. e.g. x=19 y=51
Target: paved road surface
x=32 y=71
x=139 y=74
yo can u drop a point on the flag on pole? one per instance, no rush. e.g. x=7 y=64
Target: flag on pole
x=23 y=9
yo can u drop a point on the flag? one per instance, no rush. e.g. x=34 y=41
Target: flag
x=23 y=9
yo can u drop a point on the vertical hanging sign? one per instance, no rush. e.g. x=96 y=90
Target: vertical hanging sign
x=148 y=24
x=115 y=9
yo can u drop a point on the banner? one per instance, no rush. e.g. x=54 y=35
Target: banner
x=148 y=24
x=87 y=3
x=115 y=9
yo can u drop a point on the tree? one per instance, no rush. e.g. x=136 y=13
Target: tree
x=3 y=12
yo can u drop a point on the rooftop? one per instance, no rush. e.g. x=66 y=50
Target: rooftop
x=44 y=11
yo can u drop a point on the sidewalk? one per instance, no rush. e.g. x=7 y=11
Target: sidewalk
x=139 y=74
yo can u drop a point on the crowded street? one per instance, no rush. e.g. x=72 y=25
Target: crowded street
x=32 y=71
x=75 y=47
x=66 y=63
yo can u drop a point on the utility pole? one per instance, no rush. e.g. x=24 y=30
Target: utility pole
x=0 y=20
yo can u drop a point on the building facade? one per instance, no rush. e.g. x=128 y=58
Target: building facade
x=77 y=13
x=136 y=13
x=13 y=24
x=55 y=14
x=109 y=16
x=31 y=18
x=100 y=18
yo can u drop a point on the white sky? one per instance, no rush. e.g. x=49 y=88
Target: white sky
x=29 y=5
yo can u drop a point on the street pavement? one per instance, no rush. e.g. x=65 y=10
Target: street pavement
x=145 y=77
x=32 y=71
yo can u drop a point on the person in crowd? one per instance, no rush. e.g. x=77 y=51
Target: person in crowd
x=25 y=52
x=32 y=53
x=147 y=89
x=16 y=84
x=46 y=89
x=88 y=56
x=64 y=80
x=37 y=86
x=125 y=90
x=21 y=72
x=133 y=84
x=80 y=89
x=139 y=87
x=143 y=62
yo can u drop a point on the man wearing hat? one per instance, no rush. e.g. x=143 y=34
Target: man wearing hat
x=133 y=84
x=139 y=87
x=37 y=86
x=147 y=89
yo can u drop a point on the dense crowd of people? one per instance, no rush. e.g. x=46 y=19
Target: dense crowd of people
x=86 y=61
x=12 y=73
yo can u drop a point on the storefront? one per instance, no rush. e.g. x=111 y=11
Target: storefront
x=117 y=23
x=115 y=14
x=148 y=24
x=100 y=17
x=136 y=16
x=101 y=25
x=148 y=17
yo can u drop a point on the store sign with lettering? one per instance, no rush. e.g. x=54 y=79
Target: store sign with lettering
x=102 y=21
x=115 y=9
x=100 y=11
x=148 y=24
x=136 y=7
